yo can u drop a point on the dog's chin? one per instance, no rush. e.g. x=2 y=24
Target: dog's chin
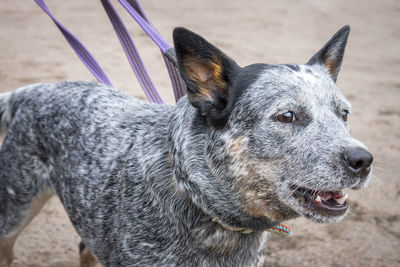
x=320 y=218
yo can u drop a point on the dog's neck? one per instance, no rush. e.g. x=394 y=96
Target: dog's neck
x=175 y=206
x=221 y=244
x=187 y=137
x=205 y=215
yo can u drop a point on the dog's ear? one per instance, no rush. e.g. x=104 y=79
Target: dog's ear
x=208 y=74
x=331 y=54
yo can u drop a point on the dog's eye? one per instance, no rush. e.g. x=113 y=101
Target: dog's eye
x=344 y=115
x=287 y=117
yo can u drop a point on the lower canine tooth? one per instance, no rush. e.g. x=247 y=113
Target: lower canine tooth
x=342 y=199
x=318 y=199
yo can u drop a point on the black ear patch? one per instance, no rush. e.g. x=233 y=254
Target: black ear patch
x=208 y=74
x=331 y=54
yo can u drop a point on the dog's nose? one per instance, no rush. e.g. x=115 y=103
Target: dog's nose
x=358 y=160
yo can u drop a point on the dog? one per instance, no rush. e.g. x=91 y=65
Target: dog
x=196 y=184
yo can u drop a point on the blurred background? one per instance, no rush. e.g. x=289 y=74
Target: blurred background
x=279 y=31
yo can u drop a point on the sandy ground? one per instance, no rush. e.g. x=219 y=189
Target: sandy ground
x=279 y=31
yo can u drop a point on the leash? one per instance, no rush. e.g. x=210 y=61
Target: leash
x=134 y=9
x=132 y=54
x=280 y=229
x=78 y=47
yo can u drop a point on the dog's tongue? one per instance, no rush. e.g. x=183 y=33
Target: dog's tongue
x=325 y=195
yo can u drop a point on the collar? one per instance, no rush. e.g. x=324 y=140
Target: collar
x=279 y=228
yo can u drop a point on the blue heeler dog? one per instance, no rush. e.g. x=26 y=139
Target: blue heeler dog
x=192 y=185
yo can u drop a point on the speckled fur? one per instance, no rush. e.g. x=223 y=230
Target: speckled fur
x=142 y=183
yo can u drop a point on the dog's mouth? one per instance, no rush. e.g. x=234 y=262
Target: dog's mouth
x=328 y=203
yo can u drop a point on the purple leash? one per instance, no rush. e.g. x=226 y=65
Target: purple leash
x=79 y=48
x=132 y=54
x=134 y=9
x=178 y=84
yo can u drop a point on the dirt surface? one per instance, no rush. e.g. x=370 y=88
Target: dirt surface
x=280 y=31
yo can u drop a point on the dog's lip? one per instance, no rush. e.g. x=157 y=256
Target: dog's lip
x=328 y=203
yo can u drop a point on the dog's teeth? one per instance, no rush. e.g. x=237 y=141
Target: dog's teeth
x=342 y=199
x=318 y=199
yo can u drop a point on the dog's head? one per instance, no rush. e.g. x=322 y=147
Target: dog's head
x=275 y=136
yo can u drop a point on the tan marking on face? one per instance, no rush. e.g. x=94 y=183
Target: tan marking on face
x=258 y=193
x=254 y=181
x=237 y=145
x=258 y=197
